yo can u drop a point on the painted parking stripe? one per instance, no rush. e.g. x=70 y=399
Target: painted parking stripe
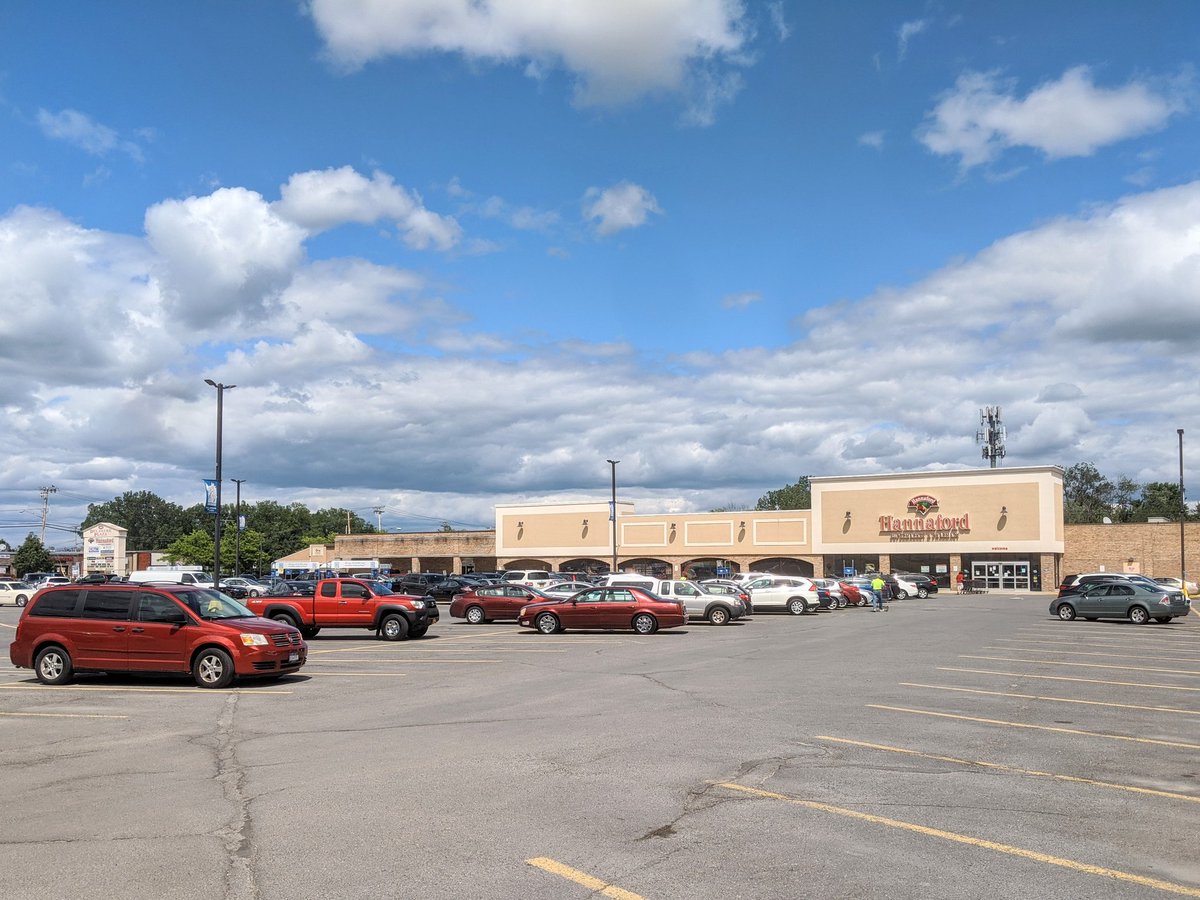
x=22 y=686
x=1137 y=684
x=1047 y=662
x=583 y=878
x=42 y=715
x=1032 y=727
x=1105 y=654
x=1000 y=767
x=981 y=843
x=964 y=690
x=1121 y=645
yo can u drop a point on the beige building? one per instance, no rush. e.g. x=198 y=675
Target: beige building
x=1003 y=527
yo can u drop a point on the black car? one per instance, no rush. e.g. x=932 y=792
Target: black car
x=1074 y=584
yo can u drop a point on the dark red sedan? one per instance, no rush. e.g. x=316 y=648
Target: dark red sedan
x=493 y=601
x=605 y=607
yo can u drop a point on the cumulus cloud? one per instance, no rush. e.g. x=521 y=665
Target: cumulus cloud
x=617 y=51
x=319 y=200
x=622 y=206
x=77 y=128
x=982 y=116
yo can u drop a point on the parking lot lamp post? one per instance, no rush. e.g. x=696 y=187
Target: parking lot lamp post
x=221 y=389
x=612 y=514
x=1182 y=517
x=237 y=524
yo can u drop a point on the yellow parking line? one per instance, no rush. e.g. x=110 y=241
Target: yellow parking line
x=1086 y=868
x=17 y=686
x=963 y=690
x=38 y=715
x=1039 y=662
x=1028 y=725
x=582 y=878
x=1103 y=653
x=1139 y=684
x=1000 y=767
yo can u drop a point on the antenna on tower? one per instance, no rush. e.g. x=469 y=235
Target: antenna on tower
x=991 y=434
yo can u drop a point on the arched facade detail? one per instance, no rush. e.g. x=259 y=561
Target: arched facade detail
x=584 y=565
x=707 y=567
x=528 y=564
x=646 y=565
x=783 y=565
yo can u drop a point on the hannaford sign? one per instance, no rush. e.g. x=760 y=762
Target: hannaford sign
x=923 y=527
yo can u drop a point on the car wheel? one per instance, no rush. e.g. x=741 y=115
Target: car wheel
x=213 y=668
x=393 y=628
x=286 y=619
x=644 y=623
x=475 y=615
x=53 y=665
x=1092 y=618
x=254 y=593
x=843 y=602
x=901 y=594
x=922 y=593
x=718 y=615
x=1066 y=612
x=546 y=623
x=1139 y=616
x=22 y=600
x=309 y=632
x=796 y=606
x=418 y=632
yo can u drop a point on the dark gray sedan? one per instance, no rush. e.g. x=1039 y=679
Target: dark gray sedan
x=1121 y=600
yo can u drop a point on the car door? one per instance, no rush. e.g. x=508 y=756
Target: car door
x=766 y=594
x=1116 y=604
x=514 y=597
x=583 y=610
x=159 y=636
x=693 y=599
x=614 y=609
x=328 y=605
x=102 y=638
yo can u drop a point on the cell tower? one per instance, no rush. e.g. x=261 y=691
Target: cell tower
x=991 y=434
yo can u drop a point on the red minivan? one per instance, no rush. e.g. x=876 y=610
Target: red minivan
x=145 y=628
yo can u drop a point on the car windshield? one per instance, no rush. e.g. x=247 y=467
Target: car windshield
x=210 y=604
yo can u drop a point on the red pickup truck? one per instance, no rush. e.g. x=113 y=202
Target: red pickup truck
x=351 y=603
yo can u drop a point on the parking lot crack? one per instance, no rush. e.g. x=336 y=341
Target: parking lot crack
x=237 y=834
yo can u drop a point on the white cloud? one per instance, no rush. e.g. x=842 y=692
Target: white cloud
x=79 y=129
x=740 y=300
x=319 y=200
x=618 y=50
x=778 y=22
x=906 y=32
x=872 y=139
x=982 y=116
x=622 y=206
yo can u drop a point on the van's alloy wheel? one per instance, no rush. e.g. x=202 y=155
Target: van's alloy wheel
x=53 y=666
x=213 y=668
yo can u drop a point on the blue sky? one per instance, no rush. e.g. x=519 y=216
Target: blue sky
x=459 y=254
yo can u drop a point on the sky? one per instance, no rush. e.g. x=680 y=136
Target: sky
x=459 y=253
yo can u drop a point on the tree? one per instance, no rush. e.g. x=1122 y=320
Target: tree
x=151 y=521
x=195 y=549
x=793 y=496
x=32 y=556
x=1087 y=495
x=1158 y=499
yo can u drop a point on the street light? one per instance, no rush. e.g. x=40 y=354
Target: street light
x=1182 y=517
x=237 y=525
x=612 y=513
x=221 y=389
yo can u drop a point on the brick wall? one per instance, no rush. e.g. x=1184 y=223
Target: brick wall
x=1149 y=548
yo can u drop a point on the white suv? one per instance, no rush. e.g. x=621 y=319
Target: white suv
x=538 y=578
x=794 y=593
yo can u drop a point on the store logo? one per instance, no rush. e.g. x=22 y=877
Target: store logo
x=922 y=504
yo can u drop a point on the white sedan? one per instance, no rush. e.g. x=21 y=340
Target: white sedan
x=15 y=593
x=249 y=585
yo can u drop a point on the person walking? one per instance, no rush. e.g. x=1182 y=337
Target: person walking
x=877 y=585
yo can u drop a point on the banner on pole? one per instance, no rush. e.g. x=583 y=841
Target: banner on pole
x=210 y=495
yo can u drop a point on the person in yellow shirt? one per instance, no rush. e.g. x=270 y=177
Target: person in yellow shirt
x=878 y=585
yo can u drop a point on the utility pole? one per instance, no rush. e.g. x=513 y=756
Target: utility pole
x=991 y=434
x=347 y=521
x=237 y=524
x=1182 y=518
x=612 y=513
x=46 y=492
x=378 y=510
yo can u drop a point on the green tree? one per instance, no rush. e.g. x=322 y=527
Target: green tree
x=1158 y=499
x=307 y=539
x=32 y=556
x=793 y=496
x=250 y=547
x=194 y=549
x=1087 y=495
x=151 y=521
x=333 y=521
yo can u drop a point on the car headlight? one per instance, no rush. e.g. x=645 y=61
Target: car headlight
x=254 y=640
x=418 y=604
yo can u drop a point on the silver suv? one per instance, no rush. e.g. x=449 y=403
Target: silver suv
x=719 y=609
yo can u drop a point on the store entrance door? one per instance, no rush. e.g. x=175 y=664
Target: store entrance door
x=1001 y=576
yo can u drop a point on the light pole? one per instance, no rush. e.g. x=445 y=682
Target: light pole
x=237 y=525
x=221 y=389
x=612 y=513
x=1182 y=517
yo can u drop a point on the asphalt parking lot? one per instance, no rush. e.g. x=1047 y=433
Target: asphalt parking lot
x=955 y=747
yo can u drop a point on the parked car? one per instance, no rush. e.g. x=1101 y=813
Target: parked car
x=699 y=604
x=253 y=588
x=720 y=586
x=538 y=578
x=792 y=593
x=292 y=588
x=856 y=591
x=564 y=588
x=49 y=580
x=1120 y=600
x=494 y=601
x=415 y=583
x=907 y=585
x=1074 y=584
x=150 y=628
x=1190 y=588
x=447 y=588
x=14 y=593
x=607 y=608
x=833 y=588
x=97 y=578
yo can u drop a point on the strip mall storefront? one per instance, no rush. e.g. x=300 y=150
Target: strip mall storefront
x=1002 y=527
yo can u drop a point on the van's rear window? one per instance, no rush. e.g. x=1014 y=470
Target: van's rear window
x=57 y=603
